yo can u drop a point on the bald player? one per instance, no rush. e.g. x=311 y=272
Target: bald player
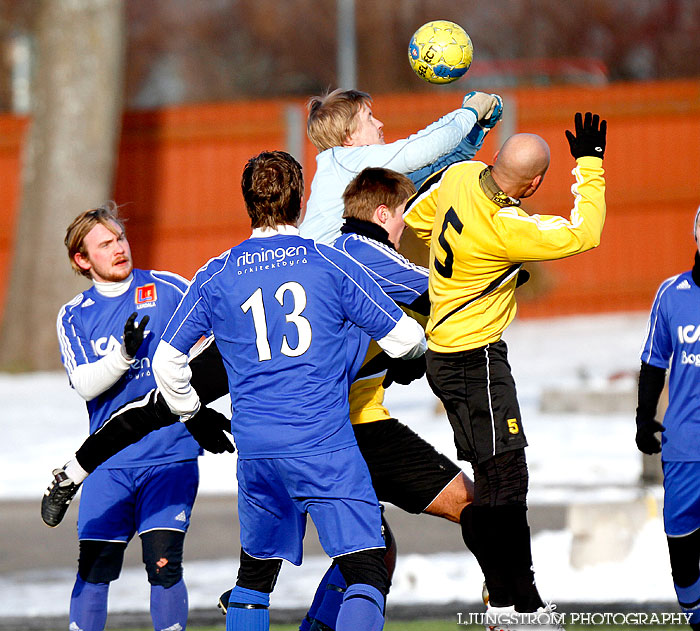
x=470 y=216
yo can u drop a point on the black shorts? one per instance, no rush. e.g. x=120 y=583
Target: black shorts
x=478 y=391
x=406 y=470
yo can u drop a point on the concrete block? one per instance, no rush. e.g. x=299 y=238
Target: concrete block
x=605 y=532
x=585 y=400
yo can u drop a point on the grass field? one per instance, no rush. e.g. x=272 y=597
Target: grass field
x=435 y=625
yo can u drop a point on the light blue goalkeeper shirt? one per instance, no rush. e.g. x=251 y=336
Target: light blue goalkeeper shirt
x=443 y=142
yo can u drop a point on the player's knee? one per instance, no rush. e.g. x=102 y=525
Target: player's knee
x=100 y=561
x=453 y=499
x=162 y=556
x=259 y=575
x=365 y=567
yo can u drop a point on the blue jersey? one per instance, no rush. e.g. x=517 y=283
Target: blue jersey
x=673 y=338
x=92 y=325
x=280 y=308
x=402 y=280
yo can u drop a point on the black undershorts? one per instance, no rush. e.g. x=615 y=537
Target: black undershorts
x=406 y=470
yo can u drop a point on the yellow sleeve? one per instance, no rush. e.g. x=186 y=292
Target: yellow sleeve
x=421 y=215
x=549 y=237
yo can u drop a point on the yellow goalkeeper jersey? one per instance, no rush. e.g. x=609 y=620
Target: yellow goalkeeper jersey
x=366 y=394
x=479 y=237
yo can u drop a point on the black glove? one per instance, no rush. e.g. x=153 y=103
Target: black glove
x=207 y=428
x=590 y=136
x=404 y=371
x=133 y=335
x=646 y=439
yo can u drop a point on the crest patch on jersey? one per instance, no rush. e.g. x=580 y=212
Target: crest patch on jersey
x=146 y=295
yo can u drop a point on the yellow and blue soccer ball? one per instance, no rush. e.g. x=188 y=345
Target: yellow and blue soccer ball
x=440 y=51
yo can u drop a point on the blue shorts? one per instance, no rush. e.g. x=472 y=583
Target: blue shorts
x=116 y=503
x=681 y=498
x=335 y=489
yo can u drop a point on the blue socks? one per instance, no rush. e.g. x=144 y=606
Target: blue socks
x=689 y=598
x=88 y=605
x=248 y=610
x=169 y=606
x=362 y=605
x=363 y=608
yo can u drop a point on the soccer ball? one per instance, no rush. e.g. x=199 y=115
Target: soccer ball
x=440 y=51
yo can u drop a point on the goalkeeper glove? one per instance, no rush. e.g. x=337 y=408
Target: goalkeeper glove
x=589 y=139
x=483 y=105
x=482 y=127
x=133 y=335
x=490 y=121
x=207 y=428
x=646 y=439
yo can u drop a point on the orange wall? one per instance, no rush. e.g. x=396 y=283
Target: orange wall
x=652 y=165
x=179 y=170
x=12 y=133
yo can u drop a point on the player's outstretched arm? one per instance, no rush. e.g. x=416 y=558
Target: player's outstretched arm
x=150 y=413
x=207 y=427
x=135 y=421
x=146 y=416
x=550 y=237
x=427 y=145
x=469 y=145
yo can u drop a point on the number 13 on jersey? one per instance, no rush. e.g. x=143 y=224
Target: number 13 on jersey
x=254 y=304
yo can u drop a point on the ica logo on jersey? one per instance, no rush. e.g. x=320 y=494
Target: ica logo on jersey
x=104 y=345
x=688 y=335
x=141 y=367
x=145 y=296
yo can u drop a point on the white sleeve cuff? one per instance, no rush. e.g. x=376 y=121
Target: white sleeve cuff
x=74 y=471
x=172 y=373
x=405 y=340
x=90 y=380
